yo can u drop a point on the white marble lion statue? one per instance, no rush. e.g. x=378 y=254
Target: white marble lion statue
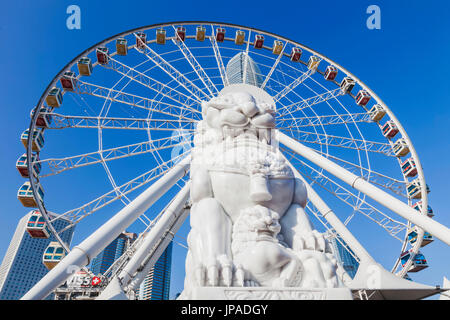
x=248 y=224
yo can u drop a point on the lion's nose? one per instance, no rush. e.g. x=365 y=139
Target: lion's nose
x=259 y=190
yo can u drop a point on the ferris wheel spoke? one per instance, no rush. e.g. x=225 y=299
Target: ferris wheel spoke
x=309 y=102
x=76 y=215
x=393 y=227
x=380 y=179
x=136 y=101
x=58 y=165
x=274 y=66
x=151 y=83
x=196 y=66
x=247 y=47
x=171 y=71
x=343 y=142
x=325 y=120
x=293 y=85
x=218 y=57
x=68 y=121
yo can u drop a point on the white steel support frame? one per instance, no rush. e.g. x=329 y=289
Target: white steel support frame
x=156 y=233
x=293 y=85
x=82 y=254
x=198 y=69
x=263 y=85
x=58 y=165
x=309 y=102
x=289 y=123
x=172 y=72
x=69 y=121
x=244 y=76
x=151 y=83
x=402 y=209
x=138 y=101
x=158 y=251
x=219 y=60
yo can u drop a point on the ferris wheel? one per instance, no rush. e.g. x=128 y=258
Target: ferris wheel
x=120 y=117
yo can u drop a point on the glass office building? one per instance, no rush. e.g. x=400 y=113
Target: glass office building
x=156 y=284
x=22 y=265
x=236 y=68
x=112 y=252
x=344 y=255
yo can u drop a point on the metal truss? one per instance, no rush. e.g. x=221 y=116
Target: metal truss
x=293 y=85
x=393 y=227
x=172 y=110
x=326 y=120
x=343 y=142
x=68 y=121
x=172 y=72
x=151 y=83
x=58 y=165
x=218 y=57
x=382 y=180
x=76 y=215
x=198 y=69
x=309 y=102
x=274 y=66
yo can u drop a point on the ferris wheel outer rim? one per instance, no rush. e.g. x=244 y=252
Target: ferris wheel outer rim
x=413 y=152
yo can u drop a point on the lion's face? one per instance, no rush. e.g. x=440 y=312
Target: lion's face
x=239 y=114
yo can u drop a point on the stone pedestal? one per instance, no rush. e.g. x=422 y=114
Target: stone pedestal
x=269 y=293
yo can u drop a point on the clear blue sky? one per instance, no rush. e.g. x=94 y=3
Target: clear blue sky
x=405 y=63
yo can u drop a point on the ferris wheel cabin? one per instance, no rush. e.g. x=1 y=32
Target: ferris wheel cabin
x=239 y=37
x=53 y=255
x=362 y=98
x=400 y=148
x=377 y=112
x=68 y=80
x=220 y=34
x=180 y=34
x=141 y=40
x=414 y=190
x=418 y=207
x=85 y=66
x=36 y=226
x=277 y=47
x=161 y=36
x=389 y=129
x=54 y=97
x=102 y=55
x=22 y=165
x=200 y=33
x=26 y=197
x=412 y=237
x=419 y=261
x=38 y=140
x=44 y=118
x=330 y=73
x=122 y=46
x=296 y=54
x=347 y=85
x=259 y=41
x=409 y=168
x=313 y=63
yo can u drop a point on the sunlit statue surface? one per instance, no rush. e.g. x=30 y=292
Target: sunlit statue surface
x=248 y=223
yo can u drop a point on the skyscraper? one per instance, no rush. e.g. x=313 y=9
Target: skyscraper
x=344 y=255
x=242 y=64
x=156 y=284
x=22 y=265
x=112 y=252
